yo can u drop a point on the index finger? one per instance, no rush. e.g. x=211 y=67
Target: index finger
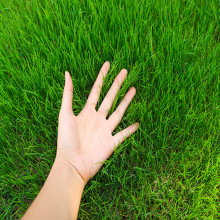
x=96 y=89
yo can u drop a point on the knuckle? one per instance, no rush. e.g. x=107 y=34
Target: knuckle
x=118 y=82
x=68 y=89
x=126 y=101
x=110 y=98
x=118 y=112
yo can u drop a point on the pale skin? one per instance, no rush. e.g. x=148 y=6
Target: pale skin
x=84 y=142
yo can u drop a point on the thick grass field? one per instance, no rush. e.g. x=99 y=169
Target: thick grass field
x=170 y=168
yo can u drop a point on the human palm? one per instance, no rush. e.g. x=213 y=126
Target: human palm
x=85 y=141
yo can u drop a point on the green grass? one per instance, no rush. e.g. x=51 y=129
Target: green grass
x=170 y=169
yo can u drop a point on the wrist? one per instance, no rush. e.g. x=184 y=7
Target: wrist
x=65 y=166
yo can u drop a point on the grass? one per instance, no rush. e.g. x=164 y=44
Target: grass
x=170 y=169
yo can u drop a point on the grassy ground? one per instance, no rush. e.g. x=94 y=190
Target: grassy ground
x=170 y=169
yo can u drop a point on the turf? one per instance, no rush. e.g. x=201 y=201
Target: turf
x=170 y=169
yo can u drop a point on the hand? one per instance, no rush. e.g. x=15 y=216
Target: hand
x=85 y=141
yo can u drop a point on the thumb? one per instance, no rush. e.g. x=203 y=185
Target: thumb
x=67 y=93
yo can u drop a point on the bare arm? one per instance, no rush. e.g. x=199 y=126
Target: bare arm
x=60 y=196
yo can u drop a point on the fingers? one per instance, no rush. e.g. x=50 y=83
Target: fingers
x=120 y=136
x=117 y=115
x=110 y=97
x=96 y=89
x=67 y=93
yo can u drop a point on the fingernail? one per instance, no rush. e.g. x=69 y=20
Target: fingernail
x=137 y=124
x=109 y=62
x=126 y=72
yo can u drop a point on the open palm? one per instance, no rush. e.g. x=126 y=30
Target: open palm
x=85 y=141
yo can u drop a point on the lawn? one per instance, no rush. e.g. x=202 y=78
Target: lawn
x=170 y=168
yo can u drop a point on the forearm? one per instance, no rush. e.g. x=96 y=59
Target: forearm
x=60 y=196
